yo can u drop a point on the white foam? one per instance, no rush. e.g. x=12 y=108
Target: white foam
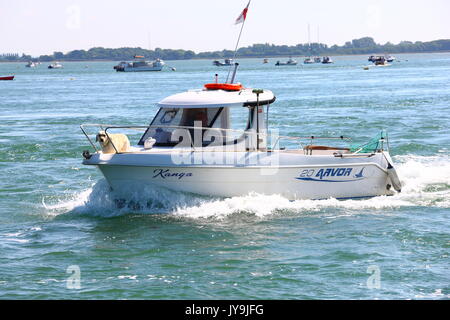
x=426 y=182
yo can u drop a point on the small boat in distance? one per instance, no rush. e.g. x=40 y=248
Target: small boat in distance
x=140 y=65
x=380 y=61
x=327 y=60
x=31 y=64
x=308 y=60
x=7 y=78
x=266 y=61
x=290 y=62
x=55 y=65
x=390 y=58
x=227 y=62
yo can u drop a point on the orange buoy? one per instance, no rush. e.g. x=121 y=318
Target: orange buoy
x=224 y=86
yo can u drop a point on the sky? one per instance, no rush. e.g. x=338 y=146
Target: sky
x=44 y=26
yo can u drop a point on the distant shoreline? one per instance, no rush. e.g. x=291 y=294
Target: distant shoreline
x=238 y=57
x=362 y=46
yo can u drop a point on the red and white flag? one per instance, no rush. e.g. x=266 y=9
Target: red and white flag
x=243 y=15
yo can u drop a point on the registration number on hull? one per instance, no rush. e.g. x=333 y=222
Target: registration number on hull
x=331 y=175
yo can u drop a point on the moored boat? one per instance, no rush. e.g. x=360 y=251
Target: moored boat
x=7 y=77
x=390 y=58
x=55 y=65
x=327 y=60
x=140 y=65
x=308 y=60
x=227 y=62
x=290 y=62
x=380 y=61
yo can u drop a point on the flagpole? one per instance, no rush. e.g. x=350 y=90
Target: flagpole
x=237 y=44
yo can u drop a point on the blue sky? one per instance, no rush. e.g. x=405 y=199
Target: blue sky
x=44 y=26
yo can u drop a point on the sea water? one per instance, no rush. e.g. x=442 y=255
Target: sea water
x=62 y=235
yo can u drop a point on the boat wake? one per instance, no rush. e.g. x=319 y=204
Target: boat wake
x=426 y=183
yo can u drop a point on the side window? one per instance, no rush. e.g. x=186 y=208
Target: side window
x=168 y=116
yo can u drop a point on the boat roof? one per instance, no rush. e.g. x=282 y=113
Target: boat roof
x=216 y=98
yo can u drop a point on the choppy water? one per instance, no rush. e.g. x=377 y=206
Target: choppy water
x=55 y=213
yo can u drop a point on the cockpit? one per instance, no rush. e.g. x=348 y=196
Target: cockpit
x=201 y=118
x=172 y=126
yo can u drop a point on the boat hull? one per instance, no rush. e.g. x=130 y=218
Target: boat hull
x=315 y=178
x=126 y=69
x=7 y=78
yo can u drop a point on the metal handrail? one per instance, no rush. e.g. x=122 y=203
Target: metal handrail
x=107 y=127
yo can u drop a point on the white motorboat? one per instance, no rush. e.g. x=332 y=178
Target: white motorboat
x=55 y=65
x=190 y=146
x=30 y=64
x=290 y=62
x=327 y=60
x=227 y=62
x=308 y=60
x=140 y=65
x=390 y=58
x=380 y=61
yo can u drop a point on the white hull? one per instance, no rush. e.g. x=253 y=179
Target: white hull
x=141 y=69
x=219 y=161
x=313 y=177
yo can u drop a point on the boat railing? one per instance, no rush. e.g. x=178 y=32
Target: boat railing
x=274 y=145
x=304 y=142
x=107 y=128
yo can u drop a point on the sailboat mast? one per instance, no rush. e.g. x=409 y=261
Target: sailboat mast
x=309 y=40
x=318 y=36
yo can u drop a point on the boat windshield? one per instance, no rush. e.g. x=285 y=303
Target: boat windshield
x=165 y=127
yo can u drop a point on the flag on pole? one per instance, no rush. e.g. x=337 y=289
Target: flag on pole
x=243 y=15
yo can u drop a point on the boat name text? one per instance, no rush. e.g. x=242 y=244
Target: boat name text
x=166 y=173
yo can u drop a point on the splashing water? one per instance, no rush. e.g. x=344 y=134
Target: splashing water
x=426 y=182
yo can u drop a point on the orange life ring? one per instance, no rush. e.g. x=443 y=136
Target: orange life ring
x=224 y=86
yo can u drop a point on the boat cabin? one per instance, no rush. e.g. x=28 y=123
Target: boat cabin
x=201 y=118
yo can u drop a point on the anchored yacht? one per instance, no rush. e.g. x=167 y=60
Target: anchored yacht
x=140 y=65
x=290 y=62
x=308 y=60
x=191 y=146
x=227 y=62
x=327 y=60
x=55 y=65
x=380 y=61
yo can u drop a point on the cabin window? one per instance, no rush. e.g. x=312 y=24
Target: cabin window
x=168 y=120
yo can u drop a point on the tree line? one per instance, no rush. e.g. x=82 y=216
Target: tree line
x=365 y=45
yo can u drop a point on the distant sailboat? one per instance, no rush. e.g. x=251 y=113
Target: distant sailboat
x=309 y=59
x=317 y=59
